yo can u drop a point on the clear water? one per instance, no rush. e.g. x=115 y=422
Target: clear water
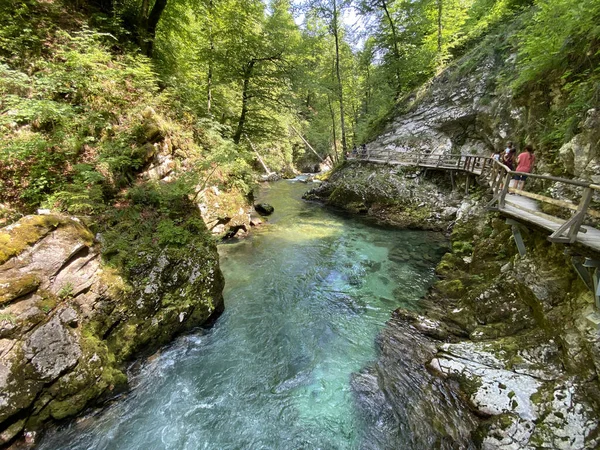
x=305 y=299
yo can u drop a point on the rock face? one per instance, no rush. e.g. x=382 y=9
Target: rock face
x=69 y=321
x=470 y=109
x=511 y=331
x=404 y=405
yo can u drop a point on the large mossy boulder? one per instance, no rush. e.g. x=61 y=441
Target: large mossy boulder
x=399 y=196
x=74 y=310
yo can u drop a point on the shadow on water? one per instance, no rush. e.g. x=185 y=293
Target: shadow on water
x=306 y=296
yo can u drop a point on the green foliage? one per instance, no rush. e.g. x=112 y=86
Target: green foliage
x=559 y=50
x=66 y=291
x=150 y=215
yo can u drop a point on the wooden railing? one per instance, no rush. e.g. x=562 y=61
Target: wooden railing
x=499 y=177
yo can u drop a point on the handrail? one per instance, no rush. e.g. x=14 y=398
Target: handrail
x=499 y=177
x=440 y=157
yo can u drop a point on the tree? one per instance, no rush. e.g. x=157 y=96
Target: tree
x=331 y=11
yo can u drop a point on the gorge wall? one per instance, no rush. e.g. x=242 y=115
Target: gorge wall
x=471 y=108
x=71 y=317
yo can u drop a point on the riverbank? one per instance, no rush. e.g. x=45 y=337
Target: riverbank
x=510 y=331
x=76 y=308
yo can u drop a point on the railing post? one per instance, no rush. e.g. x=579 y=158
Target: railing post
x=581 y=211
x=494 y=178
x=418 y=158
x=439 y=161
x=502 y=199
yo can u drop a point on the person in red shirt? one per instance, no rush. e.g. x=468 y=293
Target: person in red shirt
x=525 y=163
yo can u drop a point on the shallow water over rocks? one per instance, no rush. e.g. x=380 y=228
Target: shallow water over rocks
x=306 y=296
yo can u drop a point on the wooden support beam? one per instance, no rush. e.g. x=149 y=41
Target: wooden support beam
x=502 y=198
x=516 y=230
x=583 y=272
x=557 y=236
x=581 y=211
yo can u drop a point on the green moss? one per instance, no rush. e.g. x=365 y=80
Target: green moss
x=18 y=237
x=48 y=301
x=17 y=287
x=451 y=288
x=7 y=317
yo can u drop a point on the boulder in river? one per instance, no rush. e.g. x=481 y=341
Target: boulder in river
x=264 y=209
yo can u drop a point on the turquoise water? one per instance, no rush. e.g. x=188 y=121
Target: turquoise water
x=305 y=298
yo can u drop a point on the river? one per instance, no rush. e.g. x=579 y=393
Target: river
x=306 y=295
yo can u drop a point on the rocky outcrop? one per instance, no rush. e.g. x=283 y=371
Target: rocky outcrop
x=225 y=213
x=511 y=332
x=69 y=321
x=399 y=196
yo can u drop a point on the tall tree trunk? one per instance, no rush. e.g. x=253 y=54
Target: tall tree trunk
x=368 y=94
x=209 y=84
x=439 y=23
x=151 y=24
x=384 y=5
x=338 y=73
x=335 y=150
x=245 y=97
x=144 y=14
x=210 y=59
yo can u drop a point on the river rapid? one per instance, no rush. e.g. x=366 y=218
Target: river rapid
x=306 y=296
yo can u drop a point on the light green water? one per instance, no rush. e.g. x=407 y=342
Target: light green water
x=305 y=298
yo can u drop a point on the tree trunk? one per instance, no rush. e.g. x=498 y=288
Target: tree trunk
x=335 y=150
x=152 y=23
x=245 y=97
x=338 y=74
x=439 y=20
x=210 y=60
x=209 y=85
x=384 y=5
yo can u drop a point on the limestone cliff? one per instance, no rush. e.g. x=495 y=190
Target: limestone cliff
x=470 y=108
x=70 y=319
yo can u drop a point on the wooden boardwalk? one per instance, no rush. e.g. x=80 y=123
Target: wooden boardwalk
x=522 y=206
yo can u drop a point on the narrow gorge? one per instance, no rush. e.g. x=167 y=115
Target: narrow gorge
x=171 y=278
